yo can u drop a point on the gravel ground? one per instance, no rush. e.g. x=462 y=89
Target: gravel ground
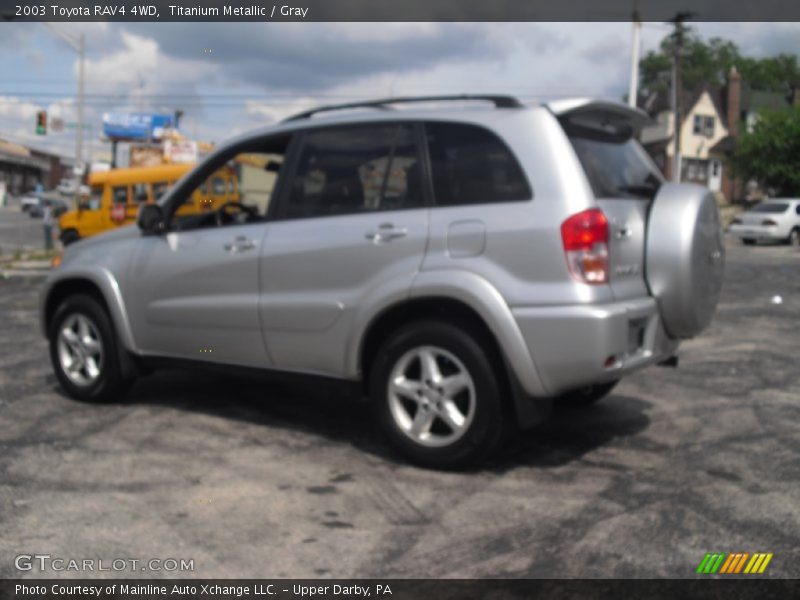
x=251 y=480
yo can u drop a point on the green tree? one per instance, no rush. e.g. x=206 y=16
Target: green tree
x=770 y=154
x=709 y=62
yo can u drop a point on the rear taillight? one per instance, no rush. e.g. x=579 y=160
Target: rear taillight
x=585 y=239
x=768 y=223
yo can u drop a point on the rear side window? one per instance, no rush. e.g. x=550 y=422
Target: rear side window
x=343 y=170
x=771 y=207
x=616 y=168
x=471 y=165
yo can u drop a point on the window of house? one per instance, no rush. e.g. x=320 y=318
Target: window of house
x=344 y=170
x=703 y=125
x=471 y=165
x=120 y=195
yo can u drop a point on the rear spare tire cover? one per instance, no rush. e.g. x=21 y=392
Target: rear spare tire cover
x=685 y=257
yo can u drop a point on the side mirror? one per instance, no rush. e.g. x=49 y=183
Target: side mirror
x=150 y=219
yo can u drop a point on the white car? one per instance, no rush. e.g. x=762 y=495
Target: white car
x=28 y=201
x=775 y=220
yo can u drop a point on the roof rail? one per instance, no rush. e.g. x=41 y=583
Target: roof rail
x=383 y=103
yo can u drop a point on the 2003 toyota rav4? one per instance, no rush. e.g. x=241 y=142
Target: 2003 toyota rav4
x=466 y=264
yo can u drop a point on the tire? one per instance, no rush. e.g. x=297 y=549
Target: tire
x=586 y=396
x=70 y=236
x=794 y=237
x=748 y=242
x=477 y=418
x=92 y=347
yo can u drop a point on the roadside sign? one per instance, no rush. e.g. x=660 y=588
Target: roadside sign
x=180 y=151
x=118 y=213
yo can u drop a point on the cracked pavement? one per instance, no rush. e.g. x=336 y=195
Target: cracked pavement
x=256 y=480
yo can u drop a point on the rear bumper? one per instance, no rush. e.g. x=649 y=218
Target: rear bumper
x=758 y=232
x=574 y=346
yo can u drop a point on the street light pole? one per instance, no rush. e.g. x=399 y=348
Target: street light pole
x=79 y=45
x=633 y=90
x=79 y=138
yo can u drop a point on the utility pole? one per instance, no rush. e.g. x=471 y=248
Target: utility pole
x=677 y=109
x=633 y=90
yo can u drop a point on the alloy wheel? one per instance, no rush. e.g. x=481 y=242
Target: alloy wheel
x=431 y=396
x=80 y=350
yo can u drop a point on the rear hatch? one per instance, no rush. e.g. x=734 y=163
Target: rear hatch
x=624 y=180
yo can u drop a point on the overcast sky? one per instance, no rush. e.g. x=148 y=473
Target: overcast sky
x=232 y=77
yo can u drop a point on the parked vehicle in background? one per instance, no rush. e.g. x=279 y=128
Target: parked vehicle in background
x=463 y=267
x=36 y=211
x=775 y=220
x=27 y=201
x=114 y=196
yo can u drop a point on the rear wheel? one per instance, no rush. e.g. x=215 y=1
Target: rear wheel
x=437 y=395
x=748 y=242
x=586 y=396
x=84 y=351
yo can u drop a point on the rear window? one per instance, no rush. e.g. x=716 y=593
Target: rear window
x=616 y=168
x=471 y=165
x=771 y=207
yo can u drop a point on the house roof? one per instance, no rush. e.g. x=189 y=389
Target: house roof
x=661 y=101
x=726 y=145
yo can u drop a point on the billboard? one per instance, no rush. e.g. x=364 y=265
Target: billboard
x=135 y=126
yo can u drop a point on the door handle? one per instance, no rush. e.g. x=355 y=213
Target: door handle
x=240 y=244
x=385 y=233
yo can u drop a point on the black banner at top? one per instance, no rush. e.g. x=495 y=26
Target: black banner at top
x=396 y=10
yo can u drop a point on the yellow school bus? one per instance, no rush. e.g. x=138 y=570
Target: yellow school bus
x=116 y=195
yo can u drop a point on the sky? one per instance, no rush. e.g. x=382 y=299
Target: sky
x=232 y=77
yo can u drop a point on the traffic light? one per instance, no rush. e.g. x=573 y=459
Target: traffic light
x=41 y=122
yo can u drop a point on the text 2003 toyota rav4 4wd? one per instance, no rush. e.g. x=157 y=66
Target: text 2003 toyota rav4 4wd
x=466 y=264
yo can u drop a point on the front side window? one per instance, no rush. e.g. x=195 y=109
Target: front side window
x=471 y=165
x=343 y=170
x=252 y=173
x=159 y=189
x=120 y=195
x=95 y=199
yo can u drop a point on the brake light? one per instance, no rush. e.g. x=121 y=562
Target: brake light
x=585 y=239
x=768 y=222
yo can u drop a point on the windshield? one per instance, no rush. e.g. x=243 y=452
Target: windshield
x=616 y=168
x=771 y=207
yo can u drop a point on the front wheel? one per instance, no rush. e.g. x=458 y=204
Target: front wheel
x=84 y=352
x=748 y=242
x=437 y=395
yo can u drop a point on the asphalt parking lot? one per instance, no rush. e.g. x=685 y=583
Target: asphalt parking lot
x=250 y=480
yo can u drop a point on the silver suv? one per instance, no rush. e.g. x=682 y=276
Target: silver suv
x=463 y=265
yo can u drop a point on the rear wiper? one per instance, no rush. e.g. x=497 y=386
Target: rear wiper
x=645 y=190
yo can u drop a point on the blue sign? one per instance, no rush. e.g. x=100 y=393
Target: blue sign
x=135 y=126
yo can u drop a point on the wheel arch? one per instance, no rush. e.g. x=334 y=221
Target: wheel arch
x=103 y=288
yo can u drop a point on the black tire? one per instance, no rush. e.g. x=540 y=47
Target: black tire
x=794 y=237
x=109 y=385
x=748 y=242
x=69 y=236
x=586 y=396
x=481 y=434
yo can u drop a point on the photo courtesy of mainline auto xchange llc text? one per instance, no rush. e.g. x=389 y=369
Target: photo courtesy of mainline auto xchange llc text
x=424 y=299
